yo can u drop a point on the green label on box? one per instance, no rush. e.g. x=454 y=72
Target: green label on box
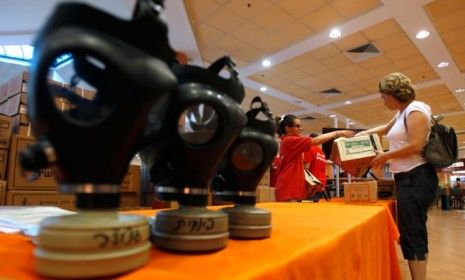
x=358 y=146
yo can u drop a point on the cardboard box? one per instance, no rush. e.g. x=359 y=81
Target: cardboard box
x=131 y=181
x=20 y=119
x=386 y=189
x=6 y=127
x=85 y=93
x=355 y=154
x=130 y=199
x=265 y=181
x=265 y=194
x=10 y=107
x=3 y=163
x=18 y=84
x=2 y=192
x=16 y=180
x=62 y=104
x=23 y=130
x=23 y=98
x=41 y=198
x=358 y=192
x=4 y=92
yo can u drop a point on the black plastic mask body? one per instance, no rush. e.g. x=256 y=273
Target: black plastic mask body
x=95 y=137
x=203 y=122
x=146 y=31
x=248 y=158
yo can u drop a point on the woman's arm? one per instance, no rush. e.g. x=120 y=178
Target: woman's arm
x=380 y=130
x=417 y=128
x=320 y=139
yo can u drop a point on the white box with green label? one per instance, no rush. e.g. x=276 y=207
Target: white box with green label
x=355 y=154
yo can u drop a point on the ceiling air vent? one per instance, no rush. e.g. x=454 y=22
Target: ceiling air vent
x=331 y=92
x=363 y=52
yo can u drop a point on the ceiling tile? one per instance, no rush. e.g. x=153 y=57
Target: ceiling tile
x=336 y=61
x=299 y=8
x=445 y=7
x=272 y=19
x=200 y=10
x=247 y=8
x=325 y=52
x=228 y=44
x=225 y=20
x=207 y=35
x=381 y=30
x=247 y=54
x=392 y=42
x=351 y=8
x=354 y=40
x=249 y=33
x=322 y=18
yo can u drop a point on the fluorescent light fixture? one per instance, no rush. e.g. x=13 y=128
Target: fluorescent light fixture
x=459 y=90
x=28 y=51
x=335 y=33
x=422 y=34
x=348 y=102
x=263 y=89
x=14 y=51
x=332 y=116
x=266 y=63
x=443 y=64
x=14 y=61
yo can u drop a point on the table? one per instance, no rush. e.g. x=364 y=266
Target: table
x=309 y=241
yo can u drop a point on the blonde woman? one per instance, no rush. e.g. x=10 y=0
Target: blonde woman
x=416 y=180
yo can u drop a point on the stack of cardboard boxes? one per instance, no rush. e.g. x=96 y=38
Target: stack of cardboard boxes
x=264 y=192
x=15 y=135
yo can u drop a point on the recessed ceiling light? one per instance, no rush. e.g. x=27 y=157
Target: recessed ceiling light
x=332 y=116
x=348 y=102
x=422 y=34
x=459 y=90
x=263 y=89
x=352 y=123
x=266 y=63
x=443 y=64
x=335 y=33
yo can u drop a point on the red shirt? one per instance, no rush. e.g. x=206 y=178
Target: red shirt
x=274 y=170
x=290 y=183
x=317 y=164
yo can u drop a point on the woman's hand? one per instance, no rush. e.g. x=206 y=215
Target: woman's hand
x=343 y=133
x=379 y=160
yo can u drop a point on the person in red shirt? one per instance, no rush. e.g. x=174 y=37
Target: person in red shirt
x=290 y=184
x=315 y=162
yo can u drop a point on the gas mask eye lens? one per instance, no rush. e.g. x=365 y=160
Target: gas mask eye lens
x=198 y=124
x=78 y=88
x=247 y=156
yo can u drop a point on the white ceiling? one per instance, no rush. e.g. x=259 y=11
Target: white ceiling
x=20 y=20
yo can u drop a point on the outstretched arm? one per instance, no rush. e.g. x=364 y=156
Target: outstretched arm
x=320 y=139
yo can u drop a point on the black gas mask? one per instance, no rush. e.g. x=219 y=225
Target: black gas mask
x=115 y=72
x=204 y=118
x=245 y=163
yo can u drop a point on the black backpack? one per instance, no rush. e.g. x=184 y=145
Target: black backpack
x=441 y=149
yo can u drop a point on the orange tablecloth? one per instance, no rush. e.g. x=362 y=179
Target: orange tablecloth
x=309 y=241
